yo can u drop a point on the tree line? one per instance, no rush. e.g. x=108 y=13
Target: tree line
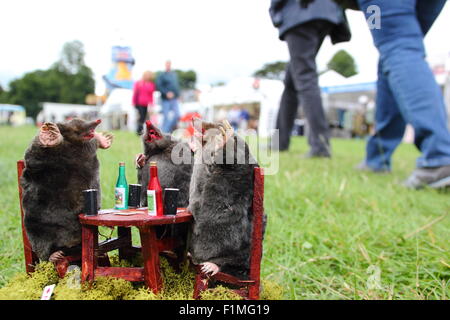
x=342 y=62
x=68 y=80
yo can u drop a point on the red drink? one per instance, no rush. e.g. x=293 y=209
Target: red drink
x=154 y=193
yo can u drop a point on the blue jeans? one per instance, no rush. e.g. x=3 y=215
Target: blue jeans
x=407 y=91
x=171 y=113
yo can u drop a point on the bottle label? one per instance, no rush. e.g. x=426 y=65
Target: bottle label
x=151 y=202
x=119 y=196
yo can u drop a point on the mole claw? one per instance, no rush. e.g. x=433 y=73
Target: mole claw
x=56 y=256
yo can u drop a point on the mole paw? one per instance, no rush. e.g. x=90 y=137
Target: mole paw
x=210 y=268
x=140 y=160
x=49 y=135
x=56 y=257
x=104 y=139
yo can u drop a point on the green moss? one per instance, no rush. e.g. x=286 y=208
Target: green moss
x=142 y=293
x=271 y=290
x=69 y=288
x=24 y=287
x=220 y=293
x=177 y=286
x=107 y=288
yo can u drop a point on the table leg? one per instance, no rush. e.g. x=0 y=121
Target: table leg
x=125 y=252
x=152 y=274
x=89 y=241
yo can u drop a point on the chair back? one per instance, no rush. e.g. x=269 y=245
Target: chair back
x=257 y=232
x=30 y=256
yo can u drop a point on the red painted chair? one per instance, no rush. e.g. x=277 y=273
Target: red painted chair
x=248 y=289
x=31 y=258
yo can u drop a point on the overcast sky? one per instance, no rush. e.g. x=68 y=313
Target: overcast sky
x=218 y=39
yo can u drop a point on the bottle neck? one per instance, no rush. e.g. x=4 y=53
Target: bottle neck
x=122 y=179
x=153 y=182
x=153 y=172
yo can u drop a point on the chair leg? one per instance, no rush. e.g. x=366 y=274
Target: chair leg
x=201 y=284
x=30 y=259
x=253 y=291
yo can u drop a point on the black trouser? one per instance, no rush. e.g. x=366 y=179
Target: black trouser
x=302 y=87
x=142 y=115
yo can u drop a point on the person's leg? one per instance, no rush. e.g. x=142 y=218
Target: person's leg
x=287 y=112
x=400 y=43
x=304 y=42
x=389 y=127
x=171 y=112
x=142 y=114
x=175 y=114
x=165 y=104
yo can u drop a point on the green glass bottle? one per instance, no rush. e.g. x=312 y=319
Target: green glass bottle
x=121 y=191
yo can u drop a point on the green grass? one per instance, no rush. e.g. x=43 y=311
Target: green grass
x=332 y=231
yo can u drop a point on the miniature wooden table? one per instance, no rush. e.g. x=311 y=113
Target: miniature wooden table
x=150 y=245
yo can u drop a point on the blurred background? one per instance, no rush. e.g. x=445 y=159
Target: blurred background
x=81 y=58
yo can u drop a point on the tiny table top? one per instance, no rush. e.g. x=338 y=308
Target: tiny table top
x=137 y=217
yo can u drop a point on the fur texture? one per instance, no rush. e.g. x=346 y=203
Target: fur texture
x=221 y=200
x=52 y=182
x=158 y=147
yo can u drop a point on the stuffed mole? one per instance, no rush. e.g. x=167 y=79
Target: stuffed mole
x=60 y=163
x=221 y=193
x=158 y=147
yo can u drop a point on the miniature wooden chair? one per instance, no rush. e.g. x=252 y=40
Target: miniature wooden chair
x=31 y=258
x=248 y=289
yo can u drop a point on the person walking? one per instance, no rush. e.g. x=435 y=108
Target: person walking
x=304 y=30
x=407 y=92
x=167 y=84
x=143 y=98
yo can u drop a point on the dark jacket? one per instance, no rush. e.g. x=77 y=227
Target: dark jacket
x=168 y=81
x=287 y=14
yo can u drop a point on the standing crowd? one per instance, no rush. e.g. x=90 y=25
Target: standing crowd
x=167 y=84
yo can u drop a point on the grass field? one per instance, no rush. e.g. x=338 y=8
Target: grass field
x=333 y=233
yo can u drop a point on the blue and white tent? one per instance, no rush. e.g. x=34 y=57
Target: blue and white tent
x=12 y=114
x=331 y=82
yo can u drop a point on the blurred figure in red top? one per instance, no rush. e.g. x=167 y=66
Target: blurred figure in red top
x=143 y=97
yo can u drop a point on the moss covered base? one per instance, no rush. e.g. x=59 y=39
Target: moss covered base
x=177 y=286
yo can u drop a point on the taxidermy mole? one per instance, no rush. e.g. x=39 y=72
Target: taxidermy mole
x=221 y=194
x=60 y=163
x=158 y=147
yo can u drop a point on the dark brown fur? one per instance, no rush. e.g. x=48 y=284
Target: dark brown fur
x=221 y=200
x=52 y=183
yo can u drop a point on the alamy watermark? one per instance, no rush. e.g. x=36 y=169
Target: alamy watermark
x=374 y=18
